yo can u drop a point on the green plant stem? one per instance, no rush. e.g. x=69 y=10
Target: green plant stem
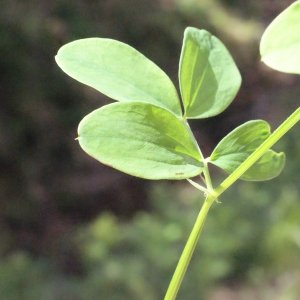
x=265 y=146
x=207 y=178
x=212 y=195
x=188 y=250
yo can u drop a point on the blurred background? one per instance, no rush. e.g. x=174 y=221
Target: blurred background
x=71 y=228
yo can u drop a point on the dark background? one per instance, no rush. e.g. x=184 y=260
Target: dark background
x=71 y=228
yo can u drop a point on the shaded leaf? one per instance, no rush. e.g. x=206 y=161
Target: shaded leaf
x=142 y=140
x=240 y=143
x=208 y=76
x=280 y=43
x=267 y=167
x=118 y=71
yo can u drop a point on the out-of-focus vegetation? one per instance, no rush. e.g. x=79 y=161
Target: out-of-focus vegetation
x=71 y=228
x=250 y=244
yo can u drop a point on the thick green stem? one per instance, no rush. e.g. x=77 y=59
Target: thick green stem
x=212 y=195
x=188 y=251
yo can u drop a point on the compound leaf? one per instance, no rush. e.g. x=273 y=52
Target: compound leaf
x=208 y=76
x=140 y=139
x=240 y=143
x=118 y=71
x=280 y=43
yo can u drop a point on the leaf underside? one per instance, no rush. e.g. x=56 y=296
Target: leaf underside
x=280 y=43
x=208 y=76
x=140 y=139
x=234 y=148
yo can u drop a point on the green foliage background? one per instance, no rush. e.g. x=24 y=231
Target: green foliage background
x=71 y=228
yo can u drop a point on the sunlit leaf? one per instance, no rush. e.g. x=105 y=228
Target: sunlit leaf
x=209 y=78
x=280 y=43
x=118 y=71
x=140 y=139
x=240 y=143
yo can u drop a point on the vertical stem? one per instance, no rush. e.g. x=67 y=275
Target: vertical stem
x=207 y=178
x=188 y=251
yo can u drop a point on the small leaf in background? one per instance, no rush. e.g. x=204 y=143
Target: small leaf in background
x=118 y=71
x=234 y=148
x=280 y=43
x=208 y=76
x=142 y=140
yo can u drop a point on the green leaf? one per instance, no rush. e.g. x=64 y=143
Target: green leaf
x=208 y=76
x=240 y=143
x=118 y=71
x=280 y=43
x=142 y=140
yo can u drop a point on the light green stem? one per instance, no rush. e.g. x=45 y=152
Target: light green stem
x=192 y=241
x=188 y=251
x=207 y=177
x=214 y=194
